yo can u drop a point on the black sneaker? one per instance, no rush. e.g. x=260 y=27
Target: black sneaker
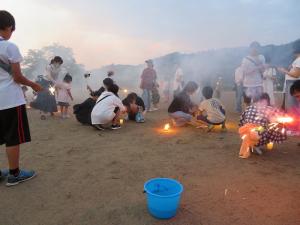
x=115 y=127
x=99 y=127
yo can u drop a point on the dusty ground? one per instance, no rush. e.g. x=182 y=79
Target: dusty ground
x=91 y=177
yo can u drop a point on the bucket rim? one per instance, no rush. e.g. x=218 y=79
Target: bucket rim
x=163 y=178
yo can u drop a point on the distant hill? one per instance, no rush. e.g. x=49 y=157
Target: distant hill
x=204 y=67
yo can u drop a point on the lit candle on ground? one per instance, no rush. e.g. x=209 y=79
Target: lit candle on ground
x=270 y=145
x=167 y=127
x=121 y=121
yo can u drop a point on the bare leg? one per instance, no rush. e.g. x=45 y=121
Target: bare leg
x=62 y=111
x=66 y=111
x=13 y=155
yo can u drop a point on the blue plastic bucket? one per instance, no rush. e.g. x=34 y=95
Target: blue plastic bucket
x=163 y=197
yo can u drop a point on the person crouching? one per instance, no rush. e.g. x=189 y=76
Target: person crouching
x=108 y=109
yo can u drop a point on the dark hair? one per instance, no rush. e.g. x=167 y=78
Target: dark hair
x=68 y=78
x=7 y=20
x=207 y=92
x=132 y=96
x=114 y=89
x=110 y=73
x=263 y=96
x=57 y=59
x=190 y=87
x=108 y=82
x=247 y=100
x=295 y=87
x=96 y=93
x=296 y=47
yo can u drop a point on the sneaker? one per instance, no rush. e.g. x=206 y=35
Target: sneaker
x=115 y=127
x=4 y=174
x=99 y=127
x=23 y=176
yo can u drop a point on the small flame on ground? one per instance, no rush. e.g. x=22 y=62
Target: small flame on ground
x=167 y=127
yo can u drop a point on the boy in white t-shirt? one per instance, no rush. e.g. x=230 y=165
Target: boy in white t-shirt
x=212 y=110
x=14 y=127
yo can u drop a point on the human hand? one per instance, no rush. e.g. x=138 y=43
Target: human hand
x=36 y=87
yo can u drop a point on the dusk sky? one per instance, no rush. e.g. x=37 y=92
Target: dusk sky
x=128 y=31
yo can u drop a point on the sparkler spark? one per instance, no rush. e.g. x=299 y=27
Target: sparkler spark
x=285 y=119
x=52 y=90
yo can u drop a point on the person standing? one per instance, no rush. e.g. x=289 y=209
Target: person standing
x=269 y=76
x=253 y=69
x=14 y=126
x=291 y=76
x=178 y=81
x=148 y=80
x=239 y=89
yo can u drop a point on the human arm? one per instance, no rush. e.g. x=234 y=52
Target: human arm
x=20 y=79
x=70 y=94
x=293 y=72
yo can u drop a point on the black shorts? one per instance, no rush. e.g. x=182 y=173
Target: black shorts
x=65 y=104
x=14 y=127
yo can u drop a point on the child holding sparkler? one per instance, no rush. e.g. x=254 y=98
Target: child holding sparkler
x=45 y=100
x=212 y=110
x=265 y=118
x=64 y=95
x=14 y=127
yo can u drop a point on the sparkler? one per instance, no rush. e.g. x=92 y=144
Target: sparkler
x=52 y=90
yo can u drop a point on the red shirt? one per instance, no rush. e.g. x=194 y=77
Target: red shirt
x=148 y=78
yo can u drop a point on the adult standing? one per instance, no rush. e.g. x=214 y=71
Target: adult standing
x=148 y=80
x=290 y=77
x=178 y=81
x=253 y=69
x=239 y=89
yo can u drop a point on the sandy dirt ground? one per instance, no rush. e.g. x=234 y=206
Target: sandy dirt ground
x=91 y=177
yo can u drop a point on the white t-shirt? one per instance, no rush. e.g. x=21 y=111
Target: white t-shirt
x=62 y=94
x=239 y=76
x=212 y=109
x=103 y=111
x=11 y=94
x=295 y=64
x=252 y=76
